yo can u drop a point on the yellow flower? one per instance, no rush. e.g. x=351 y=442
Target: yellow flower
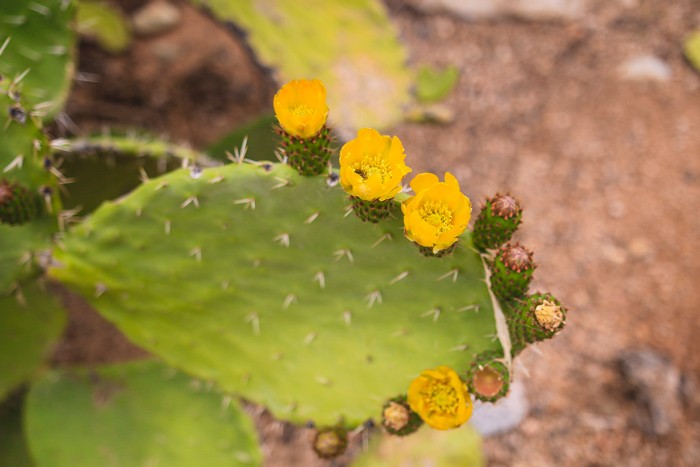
x=440 y=398
x=372 y=166
x=437 y=214
x=300 y=107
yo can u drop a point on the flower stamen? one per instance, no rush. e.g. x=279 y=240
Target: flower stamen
x=436 y=214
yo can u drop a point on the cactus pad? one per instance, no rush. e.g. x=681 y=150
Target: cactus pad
x=453 y=448
x=351 y=46
x=41 y=41
x=255 y=277
x=24 y=162
x=134 y=414
x=104 y=23
x=106 y=167
x=27 y=331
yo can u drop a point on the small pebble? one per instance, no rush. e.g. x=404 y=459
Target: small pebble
x=645 y=68
x=155 y=18
x=656 y=385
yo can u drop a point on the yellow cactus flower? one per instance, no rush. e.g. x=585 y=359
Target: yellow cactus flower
x=300 y=107
x=437 y=214
x=440 y=398
x=372 y=166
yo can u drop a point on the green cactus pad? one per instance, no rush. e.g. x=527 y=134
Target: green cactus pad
x=692 y=49
x=135 y=414
x=106 y=167
x=256 y=133
x=24 y=160
x=257 y=278
x=27 y=331
x=42 y=41
x=460 y=447
x=351 y=46
x=104 y=23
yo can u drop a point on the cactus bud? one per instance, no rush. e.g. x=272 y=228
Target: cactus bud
x=18 y=205
x=398 y=418
x=511 y=272
x=488 y=379
x=330 y=443
x=301 y=110
x=537 y=317
x=498 y=220
x=308 y=156
x=372 y=211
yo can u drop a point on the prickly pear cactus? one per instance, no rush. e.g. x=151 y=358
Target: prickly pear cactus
x=39 y=42
x=104 y=23
x=29 y=204
x=455 y=448
x=255 y=277
x=135 y=414
x=350 y=46
x=29 y=324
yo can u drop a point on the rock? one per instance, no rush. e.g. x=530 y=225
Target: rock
x=645 y=68
x=489 y=9
x=490 y=419
x=656 y=385
x=155 y=18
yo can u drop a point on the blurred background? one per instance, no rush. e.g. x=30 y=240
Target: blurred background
x=586 y=110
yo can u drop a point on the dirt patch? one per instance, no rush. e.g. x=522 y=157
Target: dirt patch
x=192 y=84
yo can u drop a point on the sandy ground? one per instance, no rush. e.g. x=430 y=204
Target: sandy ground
x=606 y=168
